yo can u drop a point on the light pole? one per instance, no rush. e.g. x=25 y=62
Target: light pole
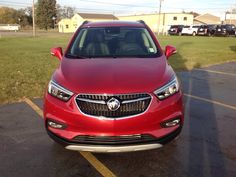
x=54 y=20
x=33 y=19
x=159 y=18
x=227 y=12
x=231 y=12
x=19 y=20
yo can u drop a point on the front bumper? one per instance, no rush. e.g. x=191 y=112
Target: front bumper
x=148 y=123
x=110 y=149
x=70 y=145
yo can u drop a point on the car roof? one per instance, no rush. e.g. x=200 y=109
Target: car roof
x=114 y=23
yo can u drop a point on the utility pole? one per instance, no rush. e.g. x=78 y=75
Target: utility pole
x=231 y=12
x=33 y=19
x=159 y=19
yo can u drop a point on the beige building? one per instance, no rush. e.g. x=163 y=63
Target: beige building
x=230 y=19
x=166 y=19
x=207 y=19
x=70 y=25
x=152 y=20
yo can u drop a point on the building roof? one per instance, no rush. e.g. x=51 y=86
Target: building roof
x=208 y=19
x=146 y=14
x=98 y=16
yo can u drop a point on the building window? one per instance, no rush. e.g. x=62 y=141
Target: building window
x=67 y=26
x=174 y=18
x=185 y=18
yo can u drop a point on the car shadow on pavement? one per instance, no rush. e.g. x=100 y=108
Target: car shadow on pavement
x=205 y=157
x=177 y=61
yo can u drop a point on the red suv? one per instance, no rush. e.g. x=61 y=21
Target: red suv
x=113 y=91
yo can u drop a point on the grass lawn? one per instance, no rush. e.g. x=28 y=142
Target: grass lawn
x=26 y=64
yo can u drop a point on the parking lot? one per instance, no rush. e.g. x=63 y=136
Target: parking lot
x=206 y=146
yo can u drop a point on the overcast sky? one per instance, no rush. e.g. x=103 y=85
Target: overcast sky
x=217 y=7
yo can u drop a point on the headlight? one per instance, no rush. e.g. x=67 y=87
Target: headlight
x=169 y=89
x=58 y=91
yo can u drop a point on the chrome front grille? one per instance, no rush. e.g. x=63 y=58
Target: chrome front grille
x=96 y=105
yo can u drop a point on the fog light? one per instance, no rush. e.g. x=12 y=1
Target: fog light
x=55 y=124
x=171 y=123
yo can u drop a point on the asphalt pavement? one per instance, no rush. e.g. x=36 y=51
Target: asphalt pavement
x=205 y=148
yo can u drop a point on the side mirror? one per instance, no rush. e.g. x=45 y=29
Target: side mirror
x=57 y=52
x=170 y=50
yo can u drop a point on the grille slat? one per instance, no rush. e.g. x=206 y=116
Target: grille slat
x=113 y=139
x=133 y=104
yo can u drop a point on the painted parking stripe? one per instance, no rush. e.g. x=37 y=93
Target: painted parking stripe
x=98 y=165
x=34 y=107
x=211 y=101
x=216 y=72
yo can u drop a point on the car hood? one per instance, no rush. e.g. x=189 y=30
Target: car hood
x=113 y=76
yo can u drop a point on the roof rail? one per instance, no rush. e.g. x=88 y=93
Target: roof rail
x=85 y=22
x=141 y=21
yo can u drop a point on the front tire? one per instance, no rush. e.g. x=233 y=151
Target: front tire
x=194 y=33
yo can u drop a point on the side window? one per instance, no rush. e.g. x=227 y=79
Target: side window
x=67 y=26
x=145 y=40
x=79 y=42
x=174 y=18
x=148 y=42
x=185 y=18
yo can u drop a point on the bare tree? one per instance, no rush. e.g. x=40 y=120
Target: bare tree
x=65 y=12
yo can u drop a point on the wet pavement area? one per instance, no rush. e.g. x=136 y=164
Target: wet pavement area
x=206 y=146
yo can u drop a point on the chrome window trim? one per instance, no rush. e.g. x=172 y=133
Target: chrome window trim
x=110 y=118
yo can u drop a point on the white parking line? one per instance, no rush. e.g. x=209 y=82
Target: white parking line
x=211 y=101
x=216 y=72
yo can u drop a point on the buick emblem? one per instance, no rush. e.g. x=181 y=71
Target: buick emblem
x=113 y=104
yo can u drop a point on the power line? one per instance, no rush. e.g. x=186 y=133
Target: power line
x=18 y=4
x=21 y=4
x=133 y=5
x=13 y=2
x=117 y=4
x=11 y=5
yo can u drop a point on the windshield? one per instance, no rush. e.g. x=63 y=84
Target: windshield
x=113 y=42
